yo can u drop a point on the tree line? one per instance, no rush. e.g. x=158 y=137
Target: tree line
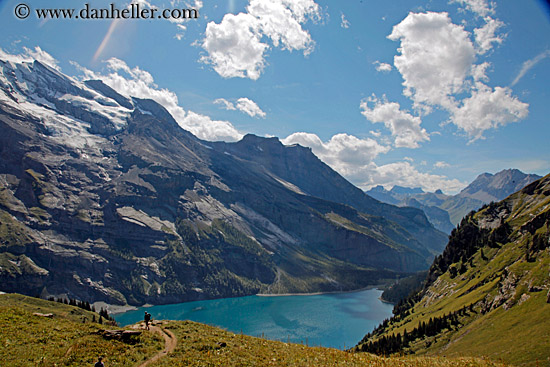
x=85 y=305
x=396 y=343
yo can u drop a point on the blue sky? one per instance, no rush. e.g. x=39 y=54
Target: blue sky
x=415 y=93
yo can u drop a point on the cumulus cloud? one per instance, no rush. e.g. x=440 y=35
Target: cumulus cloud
x=486 y=36
x=244 y=105
x=225 y=104
x=344 y=22
x=234 y=46
x=249 y=107
x=405 y=174
x=488 y=108
x=432 y=70
x=382 y=66
x=29 y=55
x=480 y=7
x=527 y=65
x=345 y=153
x=354 y=158
x=403 y=126
x=436 y=75
x=140 y=83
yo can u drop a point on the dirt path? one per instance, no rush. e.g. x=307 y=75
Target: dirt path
x=170 y=342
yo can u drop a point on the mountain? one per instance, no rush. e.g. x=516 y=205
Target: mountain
x=105 y=197
x=432 y=204
x=488 y=294
x=487 y=187
x=483 y=190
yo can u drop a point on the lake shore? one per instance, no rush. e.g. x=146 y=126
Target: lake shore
x=379 y=286
x=118 y=309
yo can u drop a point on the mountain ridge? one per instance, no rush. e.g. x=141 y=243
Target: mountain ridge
x=106 y=196
x=484 y=189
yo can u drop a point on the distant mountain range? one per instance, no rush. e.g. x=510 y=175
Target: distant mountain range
x=488 y=294
x=104 y=197
x=446 y=211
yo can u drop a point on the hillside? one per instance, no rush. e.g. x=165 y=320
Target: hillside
x=488 y=294
x=106 y=197
x=66 y=340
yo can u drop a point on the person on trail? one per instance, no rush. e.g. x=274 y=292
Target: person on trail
x=99 y=362
x=147 y=319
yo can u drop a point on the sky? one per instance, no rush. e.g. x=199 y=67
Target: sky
x=423 y=94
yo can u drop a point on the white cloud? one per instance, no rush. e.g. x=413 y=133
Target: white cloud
x=405 y=174
x=345 y=153
x=403 y=126
x=486 y=35
x=432 y=69
x=488 y=108
x=244 y=105
x=438 y=75
x=281 y=22
x=249 y=107
x=344 y=23
x=480 y=7
x=140 y=83
x=29 y=55
x=225 y=104
x=441 y=164
x=527 y=65
x=354 y=158
x=382 y=66
x=235 y=47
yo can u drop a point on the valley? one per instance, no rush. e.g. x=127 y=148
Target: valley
x=105 y=198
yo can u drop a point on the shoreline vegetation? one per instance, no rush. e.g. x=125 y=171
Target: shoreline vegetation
x=379 y=287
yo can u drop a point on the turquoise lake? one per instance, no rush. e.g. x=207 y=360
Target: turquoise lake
x=337 y=320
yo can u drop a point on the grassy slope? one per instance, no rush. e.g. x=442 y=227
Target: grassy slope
x=518 y=331
x=65 y=340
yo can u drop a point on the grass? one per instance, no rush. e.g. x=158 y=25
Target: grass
x=508 y=335
x=203 y=345
x=70 y=339
x=67 y=339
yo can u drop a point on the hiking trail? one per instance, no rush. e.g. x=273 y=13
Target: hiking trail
x=170 y=342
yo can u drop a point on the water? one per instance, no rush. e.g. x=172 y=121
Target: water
x=337 y=320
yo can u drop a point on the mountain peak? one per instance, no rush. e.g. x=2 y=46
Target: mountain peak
x=488 y=187
x=406 y=190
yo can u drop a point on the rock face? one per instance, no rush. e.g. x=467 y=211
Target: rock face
x=484 y=189
x=104 y=197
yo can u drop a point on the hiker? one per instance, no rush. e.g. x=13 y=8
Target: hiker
x=147 y=318
x=99 y=362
